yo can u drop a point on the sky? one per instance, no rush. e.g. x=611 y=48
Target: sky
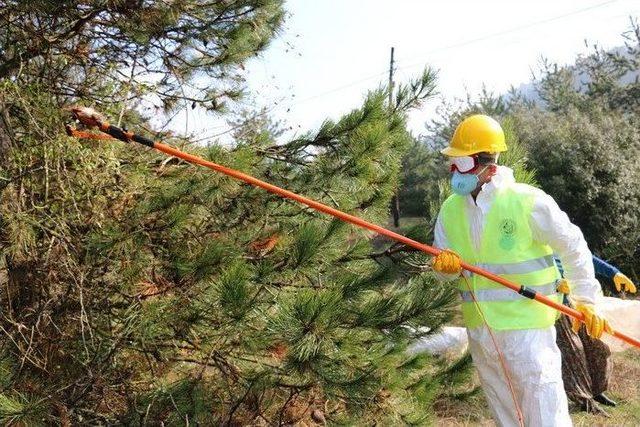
x=331 y=52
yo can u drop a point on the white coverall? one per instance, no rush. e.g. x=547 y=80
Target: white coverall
x=532 y=356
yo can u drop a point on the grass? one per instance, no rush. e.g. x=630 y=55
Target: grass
x=624 y=387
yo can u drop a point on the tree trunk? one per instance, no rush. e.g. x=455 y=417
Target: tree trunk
x=6 y=141
x=395 y=209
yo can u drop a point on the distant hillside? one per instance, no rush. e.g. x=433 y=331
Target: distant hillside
x=581 y=79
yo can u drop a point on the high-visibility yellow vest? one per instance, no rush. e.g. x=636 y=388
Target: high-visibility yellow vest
x=507 y=249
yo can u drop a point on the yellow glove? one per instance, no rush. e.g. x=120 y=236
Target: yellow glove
x=563 y=287
x=447 y=262
x=594 y=323
x=622 y=282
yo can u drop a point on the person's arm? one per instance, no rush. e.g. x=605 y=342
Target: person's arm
x=552 y=226
x=621 y=281
x=558 y=265
x=603 y=268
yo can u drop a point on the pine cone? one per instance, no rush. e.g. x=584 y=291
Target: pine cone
x=318 y=416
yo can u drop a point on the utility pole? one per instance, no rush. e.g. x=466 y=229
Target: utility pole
x=391 y=78
x=395 y=202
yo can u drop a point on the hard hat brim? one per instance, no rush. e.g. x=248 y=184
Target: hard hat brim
x=456 y=152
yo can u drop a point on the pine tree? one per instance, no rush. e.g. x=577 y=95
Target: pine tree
x=76 y=48
x=174 y=293
x=141 y=289
x=178 y=53
x=280 y=310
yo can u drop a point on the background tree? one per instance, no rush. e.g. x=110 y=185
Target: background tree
x=75 y=47
x=588 y=161
x=583 y=142
x=422 y=168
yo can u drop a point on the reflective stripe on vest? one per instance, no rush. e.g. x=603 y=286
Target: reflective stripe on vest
x=521 y=267
x=483 y=295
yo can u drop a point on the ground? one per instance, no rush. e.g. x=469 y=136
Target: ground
x=624 y=388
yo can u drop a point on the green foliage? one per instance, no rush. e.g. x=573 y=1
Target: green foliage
x=516 y=157
x=422 y=168
x=588 y=162
x=161 y=292
x=20 y=409
x=102 y=51
x=186 y=399
x=583 y=142
x=233 y=290
x=306 y=245
x=305 y=321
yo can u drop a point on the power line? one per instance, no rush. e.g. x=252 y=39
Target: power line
x=440 y=49
x=444 y=48
x=511 y=30
x=348 y=85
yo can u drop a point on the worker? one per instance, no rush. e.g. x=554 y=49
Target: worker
x=512 y=230
x=586 y=362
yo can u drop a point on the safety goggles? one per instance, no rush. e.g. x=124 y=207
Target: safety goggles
x=464 y=164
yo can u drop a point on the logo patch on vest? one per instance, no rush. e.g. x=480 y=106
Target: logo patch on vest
x=507 y=234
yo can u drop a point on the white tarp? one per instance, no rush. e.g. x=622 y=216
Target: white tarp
x=450 y=341
x=623 y=316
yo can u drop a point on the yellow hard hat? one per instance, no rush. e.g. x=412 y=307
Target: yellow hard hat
x=476 y=134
